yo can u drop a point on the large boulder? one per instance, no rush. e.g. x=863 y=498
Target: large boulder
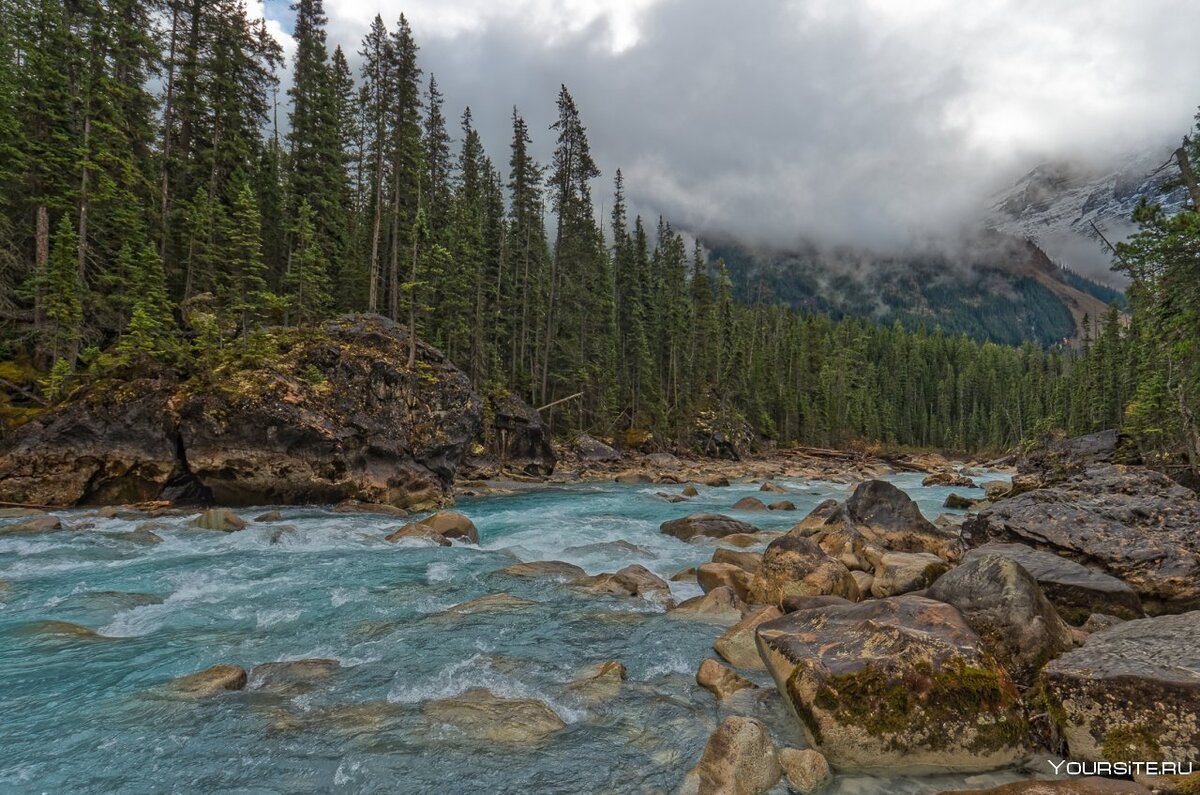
x=336 y=414
x=1075 y=590
x=519 y=437
x=712 y=525
x=737 y=645
x=903 y=572
x=895 y=685
x=1135 y=524
x=795 y=566
x=589 y=448
x=888 y=518
x=1130 y=693
x=739 y=759
x=1004 y=605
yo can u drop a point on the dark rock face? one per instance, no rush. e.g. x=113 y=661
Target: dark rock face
x=520 y=437
x=1004 y=605
x=889 y=518
x=895 y=685
x=714 y=525
x=1133 y=523
x=1075 y=590
x=590 y=448
x=338 y=416
x=1131 y=692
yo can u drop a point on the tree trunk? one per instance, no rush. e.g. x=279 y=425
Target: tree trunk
x=1189 y=176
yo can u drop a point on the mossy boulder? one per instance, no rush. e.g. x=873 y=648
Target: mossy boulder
x=899 y=685
x=1130 y=693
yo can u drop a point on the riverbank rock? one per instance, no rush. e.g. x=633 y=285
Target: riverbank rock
x=210 y=682
x=720 y=606
x=219 y=519
x=807 y=770
x=712 y=525
x=1004 y=605
x=721 y=681
x=634 y=580
x=481 y=715
x=1090 y=785
x=1131 y=692
x=1134 y=524
x=739 y=759
x=710 y=576
x=520 y=438
x=737 y=645
x=589 y=448
x=795 y=566
x=335 y=414
x=555 y=569
x=899 y=685
x=949 y=479
x=1075 y=590
x=888 y=518
x=902 y=572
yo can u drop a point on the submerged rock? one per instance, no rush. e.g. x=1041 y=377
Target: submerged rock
x=713 y=525
x=621 y=547
x=601 y=682
x=807 y=770
x=492 y=603
x=722 y=682
x=34 y=526
x=481 y=715
x=1005 y=606
x=1131 y=692
x=737 y=645
x=1075 y=590
x=891 y=686
x=61 y=629
x=292 y=676
x=225 y=521
x=739 y=759
x=210 y=682
x=545 y=568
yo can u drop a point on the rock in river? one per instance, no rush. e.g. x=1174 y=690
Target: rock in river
x=739 y=759
x=807 y=770
x=713 y=525
x=39 y=524
x=721 y=681
x=795 y=566
x=737 y=646
x=601 y=682
x=210 y=682
x=899 y=685
x=555 y=569
x=481 y=715
x=632 y=580
x=219 y=519
x=901 y=572
x=292 y=677
x=1131 y=692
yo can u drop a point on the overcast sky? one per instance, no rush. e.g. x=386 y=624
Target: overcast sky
x=847 y=121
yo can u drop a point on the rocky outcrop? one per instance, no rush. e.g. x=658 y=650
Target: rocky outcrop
x=1130 y=693
x=712 y=525
x=336 y=415
x=1132 y=523
x=1075 y=590
x=900 y=684
x=1004 y=605
x=519 y=438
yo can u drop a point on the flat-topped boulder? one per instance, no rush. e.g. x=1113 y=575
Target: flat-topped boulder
x=712 y=525
x=555 y=569
x=1075 y=590
x=899 y=685
x=1132 y=523
x=1131 y=692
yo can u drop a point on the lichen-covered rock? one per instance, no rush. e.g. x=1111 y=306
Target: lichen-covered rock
x=795 y=566
x=1135 y=524
x=895 y=685
x=902 y=572
x=1131 y=692
x=1075 y=590
x=721 y=681
x=737 y=645
x=712 y=525
x=336 y=415
x=1004 y=605
x=807 y=770
x=481 y=715
x=739 y=759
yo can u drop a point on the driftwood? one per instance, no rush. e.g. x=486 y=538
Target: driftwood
x=10 y=385
x=560 y=400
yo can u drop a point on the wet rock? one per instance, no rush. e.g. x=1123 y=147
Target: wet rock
x=902 y=572
x=750 y=561
x=632 y=580
x=633 y=478
x=737 y=645
x=452 y=524
x=140 y=535
x=888 y=518
x=592 y=449
x=602 y=682
x=796 y=566
x=269 y=516
x=773 y=488
x=220 y=519
x=995 y=489
x=1004 y=605
x=492 y=603
x=725 y=575
x=749 y=504
x=292 y=676
x=1131 y=692
x=714 y=481
x=210 y=682
x=957 y=502
x=555 y=569
x=620 y=547
x=480 y=715
x=126 y=599
x=712 y=525
x=673 y=498
x=1090 y=785
x=20 y=513
x=367 y=717
x=863 y=580
x=690 y=491
x=61 y=629
x=356 y=506
x=807 y=771
x=279 y=533
x=739 y=759
x=684 y=575
x=895 y=686
x=1136 y=525
x=721 y=681
x=720 y=605
x=420 y=531
x=1075 y=590
x=37 y=525
x=782 y=505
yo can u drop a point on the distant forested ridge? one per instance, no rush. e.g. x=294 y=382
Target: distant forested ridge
x=150 y=214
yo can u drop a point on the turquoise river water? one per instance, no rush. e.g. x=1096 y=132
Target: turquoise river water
x=89 y=715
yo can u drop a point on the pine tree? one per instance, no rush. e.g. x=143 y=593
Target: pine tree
x=308 y=280
x=63 y=291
